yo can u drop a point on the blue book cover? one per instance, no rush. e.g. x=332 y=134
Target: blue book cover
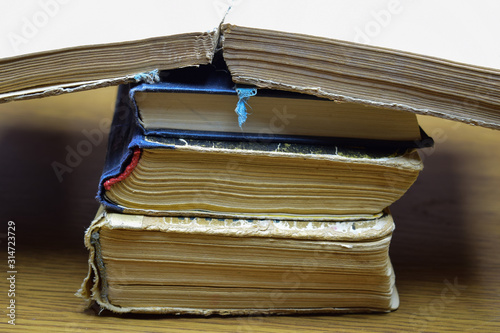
x=216 y=80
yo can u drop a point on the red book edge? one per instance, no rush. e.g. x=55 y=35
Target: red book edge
x=128 y=170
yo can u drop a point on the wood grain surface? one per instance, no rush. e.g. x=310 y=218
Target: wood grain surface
x=445 y=250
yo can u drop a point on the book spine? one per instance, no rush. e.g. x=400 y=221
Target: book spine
x=119 y=152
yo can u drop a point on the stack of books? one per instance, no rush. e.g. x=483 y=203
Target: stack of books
x=226 y=199
x=257 y=178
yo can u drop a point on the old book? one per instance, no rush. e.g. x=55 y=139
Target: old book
x=164 y=175
x=219 y=178
x=202 y=266
x=201 y=102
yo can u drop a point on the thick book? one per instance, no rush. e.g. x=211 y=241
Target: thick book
x=397 y=54
x=158 y=174
x=200 y=266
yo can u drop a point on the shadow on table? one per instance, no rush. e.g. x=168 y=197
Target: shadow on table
x=51 y=200
x=430 y=241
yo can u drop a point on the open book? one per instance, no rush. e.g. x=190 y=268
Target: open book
x=430 y=57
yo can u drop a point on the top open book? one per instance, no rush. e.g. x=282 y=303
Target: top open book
x=429 y=57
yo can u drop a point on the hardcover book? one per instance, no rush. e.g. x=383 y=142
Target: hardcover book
x=203 y=102
x=202 y=266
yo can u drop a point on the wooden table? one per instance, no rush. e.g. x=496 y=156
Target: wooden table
x=446 y=248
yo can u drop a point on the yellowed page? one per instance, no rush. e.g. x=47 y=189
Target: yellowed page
x=36 y=26
x=50 y=47
x=459 y=31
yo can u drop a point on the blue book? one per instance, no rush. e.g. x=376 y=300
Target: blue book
x=203 y=102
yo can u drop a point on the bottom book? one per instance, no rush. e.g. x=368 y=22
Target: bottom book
x=202 y=266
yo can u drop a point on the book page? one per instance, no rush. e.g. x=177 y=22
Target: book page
x=37 y=26
x=459 y=31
